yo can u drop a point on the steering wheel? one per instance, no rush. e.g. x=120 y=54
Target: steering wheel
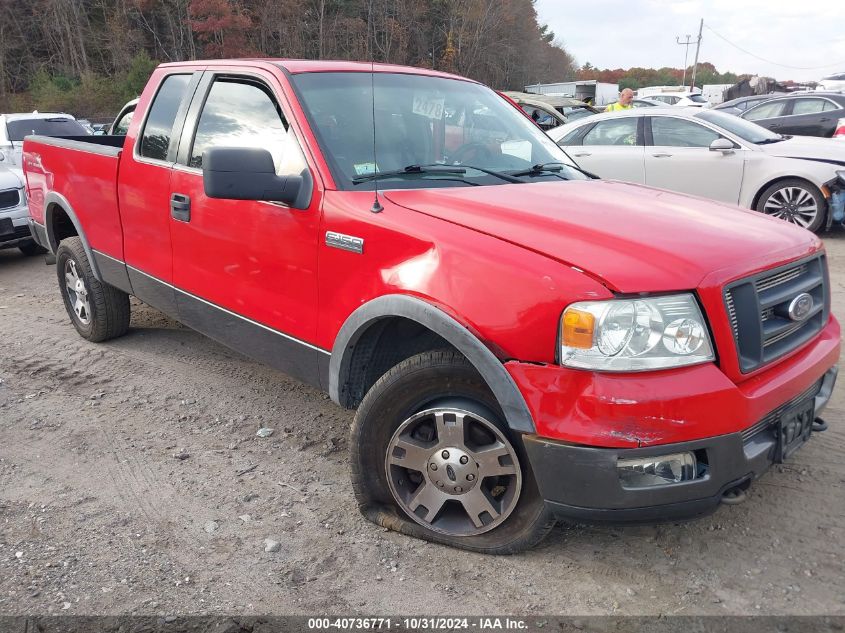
x=473 y=150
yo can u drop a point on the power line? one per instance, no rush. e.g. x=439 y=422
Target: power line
x=768 y=61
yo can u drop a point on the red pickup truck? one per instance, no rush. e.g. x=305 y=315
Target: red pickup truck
x=521 y=341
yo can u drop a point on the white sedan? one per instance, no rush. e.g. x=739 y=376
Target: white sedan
x=714 y=155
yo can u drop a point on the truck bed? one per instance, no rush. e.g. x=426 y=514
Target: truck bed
x=80 y=173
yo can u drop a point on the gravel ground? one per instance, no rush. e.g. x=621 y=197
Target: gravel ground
x=132 y=481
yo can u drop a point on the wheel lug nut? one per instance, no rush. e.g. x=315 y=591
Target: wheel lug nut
x=458 y=489
x=433 y=467
x=464 y=459
x=445 y=454
x=470 y=477
x=440 y=484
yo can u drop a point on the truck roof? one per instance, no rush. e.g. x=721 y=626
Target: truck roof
x=297 y=66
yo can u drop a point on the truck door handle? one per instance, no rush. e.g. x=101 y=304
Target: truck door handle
x=180 y=207
x=662 y=155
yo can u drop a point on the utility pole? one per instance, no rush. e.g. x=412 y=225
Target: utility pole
x=686 y=54
x=697 y=48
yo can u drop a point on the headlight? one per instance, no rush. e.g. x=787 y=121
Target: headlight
x=634 y=334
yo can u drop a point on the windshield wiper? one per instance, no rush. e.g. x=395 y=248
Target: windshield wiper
x=554 y=168
x=410 y=170
x=435 y=168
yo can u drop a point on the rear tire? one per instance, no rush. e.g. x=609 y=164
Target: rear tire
x=32 y=249
x=796 y=201
x=98 y=311
x=421 y=433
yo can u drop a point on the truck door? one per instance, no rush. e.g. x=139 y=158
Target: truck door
x=245 y=271
x=144 y=189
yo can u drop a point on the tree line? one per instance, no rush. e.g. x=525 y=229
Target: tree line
x=635 y=78
x=89 y=56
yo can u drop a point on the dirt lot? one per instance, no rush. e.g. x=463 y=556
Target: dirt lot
x=98 y=513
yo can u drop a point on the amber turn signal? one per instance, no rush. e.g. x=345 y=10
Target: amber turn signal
x=578 y=328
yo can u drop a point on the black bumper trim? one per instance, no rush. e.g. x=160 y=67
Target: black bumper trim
x=39 y=234
x=582 y=483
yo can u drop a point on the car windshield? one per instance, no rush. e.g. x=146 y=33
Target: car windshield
x=423 y=121
x=57 y=126
x=746 y=130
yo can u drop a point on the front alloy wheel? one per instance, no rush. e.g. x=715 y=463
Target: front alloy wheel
x=795 y=201
x=453 y=471
x=77 y=294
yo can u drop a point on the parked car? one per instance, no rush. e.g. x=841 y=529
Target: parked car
x=681 y=99
x=741 y=104
x=637 y=103
x=14 y=127
x=538 y=107
x=714 y=155
x=14 y=215
x=834 y=82
x=121 y=122
x=803 y=114
x=521 y=341
x=673 y=95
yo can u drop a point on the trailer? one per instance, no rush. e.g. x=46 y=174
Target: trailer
x=714 y=93
x=594 y=92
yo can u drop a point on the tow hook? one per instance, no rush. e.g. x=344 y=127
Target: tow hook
x=819 y=425
x=734 y=496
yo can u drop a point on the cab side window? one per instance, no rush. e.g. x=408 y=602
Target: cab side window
x=244 y=113
x=158 y=129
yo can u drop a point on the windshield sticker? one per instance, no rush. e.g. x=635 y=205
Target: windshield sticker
x=429 y=104
x=364 y=169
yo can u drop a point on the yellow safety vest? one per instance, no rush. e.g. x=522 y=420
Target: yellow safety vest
x=613 y=107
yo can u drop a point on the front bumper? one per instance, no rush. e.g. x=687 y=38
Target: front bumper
x=21 y=233
x=581 y=483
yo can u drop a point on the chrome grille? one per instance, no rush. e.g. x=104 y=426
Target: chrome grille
x=758 y=311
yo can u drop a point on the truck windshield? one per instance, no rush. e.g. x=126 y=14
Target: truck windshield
x=423 y=120
x=58 y=126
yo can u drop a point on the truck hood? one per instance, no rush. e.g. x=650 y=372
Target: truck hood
x=632 y=238
x=810 y=147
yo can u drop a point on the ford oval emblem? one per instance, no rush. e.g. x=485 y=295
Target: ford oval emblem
x=800 y=307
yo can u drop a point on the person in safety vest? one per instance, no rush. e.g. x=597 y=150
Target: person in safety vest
x=624 y=103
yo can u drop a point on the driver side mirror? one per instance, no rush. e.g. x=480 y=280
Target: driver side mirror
x=245 y=173
x=722 y=145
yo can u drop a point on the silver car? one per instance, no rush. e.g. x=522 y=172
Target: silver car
x=14 y=230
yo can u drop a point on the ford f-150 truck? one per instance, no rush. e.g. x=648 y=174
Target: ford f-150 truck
x=521 y=341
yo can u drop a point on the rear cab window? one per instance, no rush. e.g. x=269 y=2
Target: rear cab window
x=158 y=129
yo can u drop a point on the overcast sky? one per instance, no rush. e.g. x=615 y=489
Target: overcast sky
x=619 y=34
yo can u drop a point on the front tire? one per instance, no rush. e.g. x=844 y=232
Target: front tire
x=98 y=311
x=432 y=457
x=796 y=201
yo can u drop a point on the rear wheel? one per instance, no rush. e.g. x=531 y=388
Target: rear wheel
x=98 y=311
x=429 y=445
x=796 y=201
